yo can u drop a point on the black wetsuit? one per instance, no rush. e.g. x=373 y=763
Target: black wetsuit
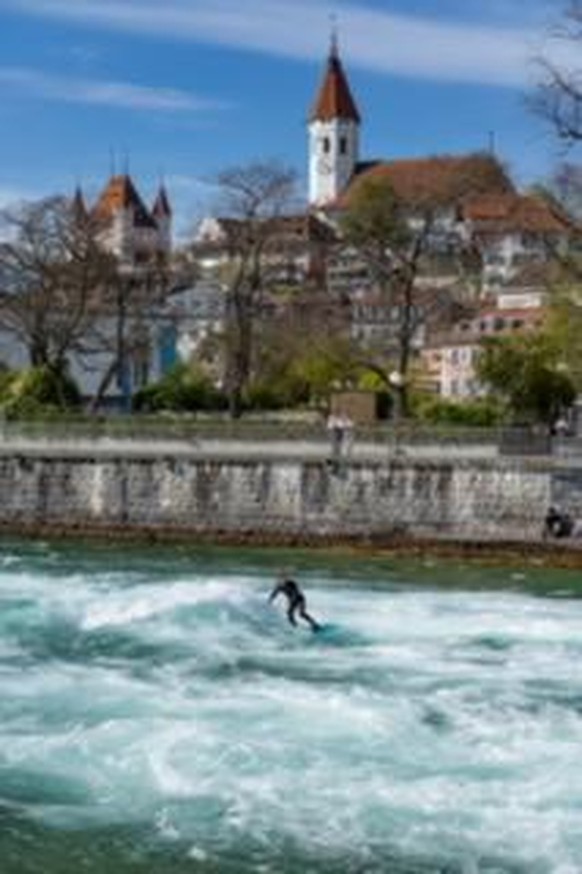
x=295 y=601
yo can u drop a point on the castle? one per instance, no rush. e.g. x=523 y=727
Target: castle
x=136 y=235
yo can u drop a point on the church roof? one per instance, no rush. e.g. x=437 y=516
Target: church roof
x=502 y=213
x=120 y=193
x=442 y=177
x=334 y=99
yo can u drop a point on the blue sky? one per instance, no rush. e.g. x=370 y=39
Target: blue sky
x=184 y=88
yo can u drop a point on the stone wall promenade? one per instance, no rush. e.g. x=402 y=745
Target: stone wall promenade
x=277 y=492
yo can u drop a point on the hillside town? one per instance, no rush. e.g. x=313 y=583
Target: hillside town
x=290 y=446
x=402 y=265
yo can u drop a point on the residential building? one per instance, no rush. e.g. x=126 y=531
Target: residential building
x=450 y=356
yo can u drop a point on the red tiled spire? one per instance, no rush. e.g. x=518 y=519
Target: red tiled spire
x=120 y=193
x=335 y=98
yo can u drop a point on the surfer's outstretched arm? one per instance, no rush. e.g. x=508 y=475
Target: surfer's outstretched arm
x=276 y=591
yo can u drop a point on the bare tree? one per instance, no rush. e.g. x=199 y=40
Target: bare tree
x=120 y=336
x=559 y=95
x=255 y=198
x=396 y=240
x=564 y=189
x=53 y=275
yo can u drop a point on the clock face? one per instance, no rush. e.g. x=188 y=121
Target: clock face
x=324 y=166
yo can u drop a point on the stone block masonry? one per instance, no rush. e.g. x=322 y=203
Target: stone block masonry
x=280 y=498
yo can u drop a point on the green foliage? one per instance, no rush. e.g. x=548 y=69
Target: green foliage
x=371 y=381
x=325 y=367
x=374 y=217
x=7 y=377
x=565 y=318
x=480 y=413
x=276 y=384
x=293 y=372
x=262 y=396
x=525 y=370
x=37 y=392
x=182 y=389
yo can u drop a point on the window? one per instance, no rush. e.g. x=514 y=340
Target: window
x=343 y=146
x=326 y=145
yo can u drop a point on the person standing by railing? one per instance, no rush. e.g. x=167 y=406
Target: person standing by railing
x=336 y=434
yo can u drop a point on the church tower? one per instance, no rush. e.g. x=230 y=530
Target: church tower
x=334 y=124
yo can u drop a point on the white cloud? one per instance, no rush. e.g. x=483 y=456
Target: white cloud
x=496 y=54
x=122 y=95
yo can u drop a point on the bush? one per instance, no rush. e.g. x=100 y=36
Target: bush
x=7 y=377
x=182 y=389
x=480 y=413
x=264 y=397
x=38 y=391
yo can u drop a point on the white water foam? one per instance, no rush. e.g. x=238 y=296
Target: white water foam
x=446 y=724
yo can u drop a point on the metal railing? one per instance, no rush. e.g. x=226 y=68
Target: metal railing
x=143 y=428
x=311 y=429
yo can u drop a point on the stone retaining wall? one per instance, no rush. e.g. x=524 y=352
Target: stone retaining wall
x=491 y=499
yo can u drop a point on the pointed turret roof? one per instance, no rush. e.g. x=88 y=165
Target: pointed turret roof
x=79 y=206
x=161 y=207
x=120 y=193
x=334 y=99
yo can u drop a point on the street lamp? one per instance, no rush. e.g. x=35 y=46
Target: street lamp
x=396 y=380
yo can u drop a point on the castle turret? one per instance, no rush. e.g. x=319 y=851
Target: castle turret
x=80 y=212
x=162 y=214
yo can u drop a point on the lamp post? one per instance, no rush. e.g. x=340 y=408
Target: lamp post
x=396 y=380
x=123 y=374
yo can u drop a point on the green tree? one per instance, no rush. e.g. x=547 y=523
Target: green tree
x=302 y=351
x=564 y=323
x=527 y=372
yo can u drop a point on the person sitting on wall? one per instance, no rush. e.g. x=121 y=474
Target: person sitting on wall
x=557 y=523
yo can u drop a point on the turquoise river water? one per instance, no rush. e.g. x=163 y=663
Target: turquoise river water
x=157 y=716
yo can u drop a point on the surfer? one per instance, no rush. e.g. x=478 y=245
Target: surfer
x=295 y=601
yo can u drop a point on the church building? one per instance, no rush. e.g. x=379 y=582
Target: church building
x=335 y=163
x=473 y=203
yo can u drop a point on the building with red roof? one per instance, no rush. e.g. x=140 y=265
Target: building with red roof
x=136 y=234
